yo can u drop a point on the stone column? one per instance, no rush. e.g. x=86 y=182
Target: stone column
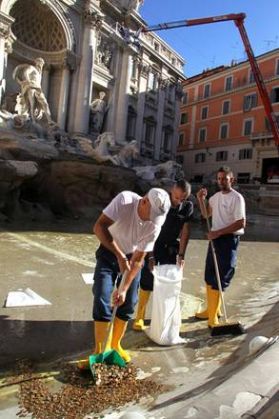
x=143 y=74
x=63 y=97
x=159 y=126
x=45 y=80
x=82 y=99
x=69 y=65
x=5 y=49
x=125 y=73
x=175 y=128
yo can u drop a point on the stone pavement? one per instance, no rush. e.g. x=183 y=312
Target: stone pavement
x=210 y=377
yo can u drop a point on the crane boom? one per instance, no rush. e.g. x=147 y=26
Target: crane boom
x=239 y=22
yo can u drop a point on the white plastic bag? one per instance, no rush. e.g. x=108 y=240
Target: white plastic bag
x=165 y=313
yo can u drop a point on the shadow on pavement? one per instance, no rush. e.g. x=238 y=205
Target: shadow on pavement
x=41 y=341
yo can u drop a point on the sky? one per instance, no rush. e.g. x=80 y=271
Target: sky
x=208 y=46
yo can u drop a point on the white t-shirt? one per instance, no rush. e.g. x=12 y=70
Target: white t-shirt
x=226 y=209
x=128 y=230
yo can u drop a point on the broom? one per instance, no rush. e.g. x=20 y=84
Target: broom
x=225 y=328
x=110 y=357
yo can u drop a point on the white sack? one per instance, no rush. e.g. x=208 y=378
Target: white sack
x=165 y=314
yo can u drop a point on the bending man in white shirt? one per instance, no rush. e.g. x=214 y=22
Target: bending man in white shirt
x=127 y=230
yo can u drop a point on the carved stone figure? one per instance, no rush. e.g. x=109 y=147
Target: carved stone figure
x=134 y=4
x=31 y=100
x=102 y=147
x=168 y=170
x=127 y=154
x=98 y=110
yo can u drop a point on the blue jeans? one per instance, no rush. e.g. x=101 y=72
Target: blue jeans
x=226 y=254
x=105 y=276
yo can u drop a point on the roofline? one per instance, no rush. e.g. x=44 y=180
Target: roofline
x=223 y=68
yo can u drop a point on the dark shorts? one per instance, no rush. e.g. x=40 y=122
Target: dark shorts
x=226 y=253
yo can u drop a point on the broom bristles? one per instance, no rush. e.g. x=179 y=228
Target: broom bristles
x=228 y=329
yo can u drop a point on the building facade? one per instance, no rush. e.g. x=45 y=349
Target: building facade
x=223 y=121
x=90 y=62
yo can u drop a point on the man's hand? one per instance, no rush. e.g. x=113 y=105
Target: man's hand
x=118 y=298
x=180 y=261
x=123 y=263
x=213 y=235
x=151 y=263
x=202 y=194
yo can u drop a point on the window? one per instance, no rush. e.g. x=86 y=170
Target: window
x=202 y=135
x=267 y=123
x=243 y=177
x=167 y=139
x=228 y=83
x=251 y=77
x=184 y=118
x=204 y=112
x=185 y=98
x=275 y=95
x=152 y=81
x=181 y=139
x=224 y=128
x=248 y=124
x=131 y=124
x=250 y=101
x=200 y=158
x=156 y=46
x=206 y=92
x=150 y=126
x=221 y=155
x=226 y=107
x=245 y=153
x=180 y=159
x=277 y=68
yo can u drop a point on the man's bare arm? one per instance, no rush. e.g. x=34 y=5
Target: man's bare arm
x=230 y=229
x=101 y=229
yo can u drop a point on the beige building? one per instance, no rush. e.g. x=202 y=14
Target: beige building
x=96 y=77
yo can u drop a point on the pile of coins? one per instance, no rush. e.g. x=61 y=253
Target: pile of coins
x=79 y=395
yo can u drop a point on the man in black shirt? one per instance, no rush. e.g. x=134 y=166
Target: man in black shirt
x=170 y=246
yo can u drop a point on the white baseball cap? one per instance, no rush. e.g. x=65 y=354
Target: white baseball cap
x=160 y=205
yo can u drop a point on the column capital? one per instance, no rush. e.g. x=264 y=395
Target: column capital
x=5 y=25
x=92 y=16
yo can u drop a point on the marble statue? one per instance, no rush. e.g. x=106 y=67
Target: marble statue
x=98 y=110
x=168 y=170
x=31 y=101
x=103 y=144
x=127 y=154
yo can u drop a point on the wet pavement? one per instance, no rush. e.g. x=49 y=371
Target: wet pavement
x=50 y=261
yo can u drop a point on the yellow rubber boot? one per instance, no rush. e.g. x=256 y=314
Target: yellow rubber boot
x=100 y=334
x=203 y=315
x=119 y=329
x=214 y=303
x=143 y=300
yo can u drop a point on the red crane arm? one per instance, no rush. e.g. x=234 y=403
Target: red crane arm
x=239 y=22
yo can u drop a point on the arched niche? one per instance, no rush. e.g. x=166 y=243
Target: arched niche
x=40 y=30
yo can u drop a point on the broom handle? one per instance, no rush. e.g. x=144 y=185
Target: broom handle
x=114 y=310
x=215 y=264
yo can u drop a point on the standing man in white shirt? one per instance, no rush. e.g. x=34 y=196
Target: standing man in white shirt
x=227 y=209
x=127 y=230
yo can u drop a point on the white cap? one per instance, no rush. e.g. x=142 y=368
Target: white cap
x=160 y=205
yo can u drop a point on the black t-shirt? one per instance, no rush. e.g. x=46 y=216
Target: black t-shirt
x=175 y=220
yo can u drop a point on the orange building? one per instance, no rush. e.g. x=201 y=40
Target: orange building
x=223 y=122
